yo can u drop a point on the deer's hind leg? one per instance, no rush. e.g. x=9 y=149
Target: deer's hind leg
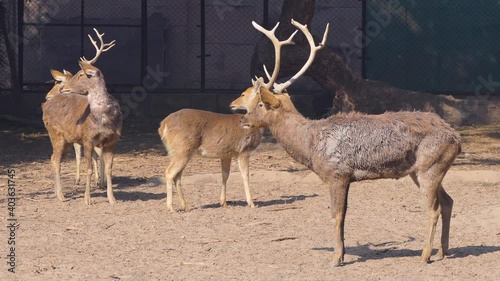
x=172 y=177
x=446 y=203
x=59 y=148
x=438 y=202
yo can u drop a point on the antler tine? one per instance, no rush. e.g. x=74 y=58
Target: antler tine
x=278 y=88
x=267 y=73
x=99 y=50
x=277 y=50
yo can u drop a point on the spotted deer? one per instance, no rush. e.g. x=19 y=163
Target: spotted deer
x=353 y=147
x=60 y=79
x=94 y=120
x=189 y=131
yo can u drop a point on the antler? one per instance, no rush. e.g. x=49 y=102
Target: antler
x=278 y=88
x=277 y=50
x=99 y=50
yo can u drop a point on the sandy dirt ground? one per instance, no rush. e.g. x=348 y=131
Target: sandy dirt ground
x=288 y=237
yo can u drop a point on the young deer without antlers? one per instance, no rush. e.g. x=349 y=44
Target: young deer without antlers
x=60 y=79
x=190 y=131
x=354 y=147
x=94 y=120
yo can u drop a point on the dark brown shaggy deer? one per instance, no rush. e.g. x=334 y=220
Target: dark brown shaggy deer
x=354 y=147
x=94 y=120
x=189 y=131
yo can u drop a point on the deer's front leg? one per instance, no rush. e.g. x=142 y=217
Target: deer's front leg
x=243 y=160
x=78 y=155
x=339 y=189
x=107 y=155
x=87 y=151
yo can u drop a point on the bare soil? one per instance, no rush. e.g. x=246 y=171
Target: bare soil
x=288 y=237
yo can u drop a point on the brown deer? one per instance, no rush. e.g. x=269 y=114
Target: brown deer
x=94 y=120
x=353 y=147
x=190 y=131
x=60 y=79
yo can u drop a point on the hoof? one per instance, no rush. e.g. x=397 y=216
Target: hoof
x=425 y=260
x=441 y=254
x=335 y=264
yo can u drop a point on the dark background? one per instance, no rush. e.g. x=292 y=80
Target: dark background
x=206 y=46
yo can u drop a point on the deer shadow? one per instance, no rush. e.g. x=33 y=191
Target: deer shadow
x=367 y=252
x=129 y=182
x=284 y=201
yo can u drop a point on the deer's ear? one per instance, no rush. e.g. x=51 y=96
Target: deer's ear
x=269 y=98
x=67 y=73
x=89 y=69
x=58 y=76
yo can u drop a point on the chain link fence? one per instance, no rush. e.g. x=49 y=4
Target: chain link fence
x=433 y=46
x=201 y=45
x=206 y=45
x=8 y=57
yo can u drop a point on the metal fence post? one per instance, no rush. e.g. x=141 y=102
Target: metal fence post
x=20 y=46
x=144 y=38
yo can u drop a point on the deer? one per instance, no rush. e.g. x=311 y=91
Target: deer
x=94 y=120
x=352 y=147
x=187 y=132
x=60 y=79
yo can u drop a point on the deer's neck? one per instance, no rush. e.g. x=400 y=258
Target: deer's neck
x=102 y=105
x=294 y=132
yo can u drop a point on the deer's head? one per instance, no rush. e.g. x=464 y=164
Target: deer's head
x=60 y=78
x=89 y=77
x=264 y=100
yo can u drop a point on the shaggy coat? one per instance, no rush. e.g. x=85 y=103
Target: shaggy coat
x=94 y=120
x=355 y=146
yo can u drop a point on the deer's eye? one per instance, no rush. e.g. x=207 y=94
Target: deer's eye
x=261 y=105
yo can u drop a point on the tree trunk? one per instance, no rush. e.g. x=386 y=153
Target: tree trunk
x=349 y=90
x=11 y=58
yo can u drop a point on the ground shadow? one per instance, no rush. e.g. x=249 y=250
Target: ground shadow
x=478 y=161
x=129 y=182
x=367 y=252
x=463 y=252
x=138 y=196
x=286 y=199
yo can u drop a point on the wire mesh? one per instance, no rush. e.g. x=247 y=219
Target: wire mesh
x=173 y=41
x=8 y=44
x=436 y=46
x=424 y=45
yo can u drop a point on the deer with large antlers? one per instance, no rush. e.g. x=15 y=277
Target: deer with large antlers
x=353 y=147
x=94 y=120
x=60 y=79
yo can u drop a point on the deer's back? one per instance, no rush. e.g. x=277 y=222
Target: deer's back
x=387 y=145
x=207 y=133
